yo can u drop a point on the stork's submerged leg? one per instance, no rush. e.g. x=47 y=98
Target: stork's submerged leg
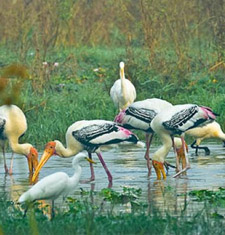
x=11 y=164
x=149 y=138
x=4 y=158
x=197 y=147
x=177 y=157
x=186 y=159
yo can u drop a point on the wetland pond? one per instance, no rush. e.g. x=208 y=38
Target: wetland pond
x=128 y=168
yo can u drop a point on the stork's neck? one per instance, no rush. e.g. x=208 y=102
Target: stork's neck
x=123 y=85
x=65 y=152
x=20 y=148
x=162 y=152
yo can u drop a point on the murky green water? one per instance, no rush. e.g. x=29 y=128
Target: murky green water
x=128 y=168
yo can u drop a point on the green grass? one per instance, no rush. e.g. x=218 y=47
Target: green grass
x=50 y=108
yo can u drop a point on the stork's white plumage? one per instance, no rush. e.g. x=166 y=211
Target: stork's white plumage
x=54 y=185
x=139 y=116
x=13 y=124
x=211 y=130
x=123 y=92
x=176 y=120
x=87 y=135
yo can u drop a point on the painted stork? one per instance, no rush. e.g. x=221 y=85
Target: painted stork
x=211 y=130
x=54 y=185
x=13 y=124
x=177 y=120
x=123 y=92
x=139 y=115
x=89 y=136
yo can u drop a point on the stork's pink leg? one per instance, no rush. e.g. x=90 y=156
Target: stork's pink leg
x=177 y=157
x=105 y=167
x=149 y=138
x=11 y=164
x=5 y=165
x=185 y=153
x=186 y=158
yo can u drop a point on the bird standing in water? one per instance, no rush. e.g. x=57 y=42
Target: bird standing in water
x=177 y=120
x=13 y=124
x=87 y=135
x=139 y=115
x=211 y=130
x=54 y=185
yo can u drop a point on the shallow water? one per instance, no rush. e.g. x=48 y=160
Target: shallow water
x=128 y=168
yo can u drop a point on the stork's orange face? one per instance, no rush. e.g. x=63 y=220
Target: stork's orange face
x=159 y=169
x=48 y=152
x=32 y=159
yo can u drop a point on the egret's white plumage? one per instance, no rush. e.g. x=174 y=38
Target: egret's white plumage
x=54 y=185
x=13 y=124
x=123 y=92
x=87 y=135
x=211 y=130
x=176 y=120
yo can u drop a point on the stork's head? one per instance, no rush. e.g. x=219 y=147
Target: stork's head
x=122 y=69
x=159 y=169
x=50 y=149
x=122 y=65
x=32 y=158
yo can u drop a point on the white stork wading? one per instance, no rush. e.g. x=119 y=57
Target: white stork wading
x=13 y=124
x=177 y=120
x=139 y=115
x=87 y=135
x=54 y=185
x=123 y=92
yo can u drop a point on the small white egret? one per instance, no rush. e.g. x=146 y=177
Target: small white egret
x=54 y=185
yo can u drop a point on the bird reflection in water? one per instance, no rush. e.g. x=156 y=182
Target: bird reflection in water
x=164 y=198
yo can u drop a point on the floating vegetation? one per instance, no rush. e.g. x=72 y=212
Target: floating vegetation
x=85 y=217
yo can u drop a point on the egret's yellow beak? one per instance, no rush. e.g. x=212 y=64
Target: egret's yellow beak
x=90 y=160
x=159 y=169
x=48 y=152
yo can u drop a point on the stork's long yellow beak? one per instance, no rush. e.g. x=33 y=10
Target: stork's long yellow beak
x=32 y=160
x=159 y=169
x=122 y=72
x=46 y=155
